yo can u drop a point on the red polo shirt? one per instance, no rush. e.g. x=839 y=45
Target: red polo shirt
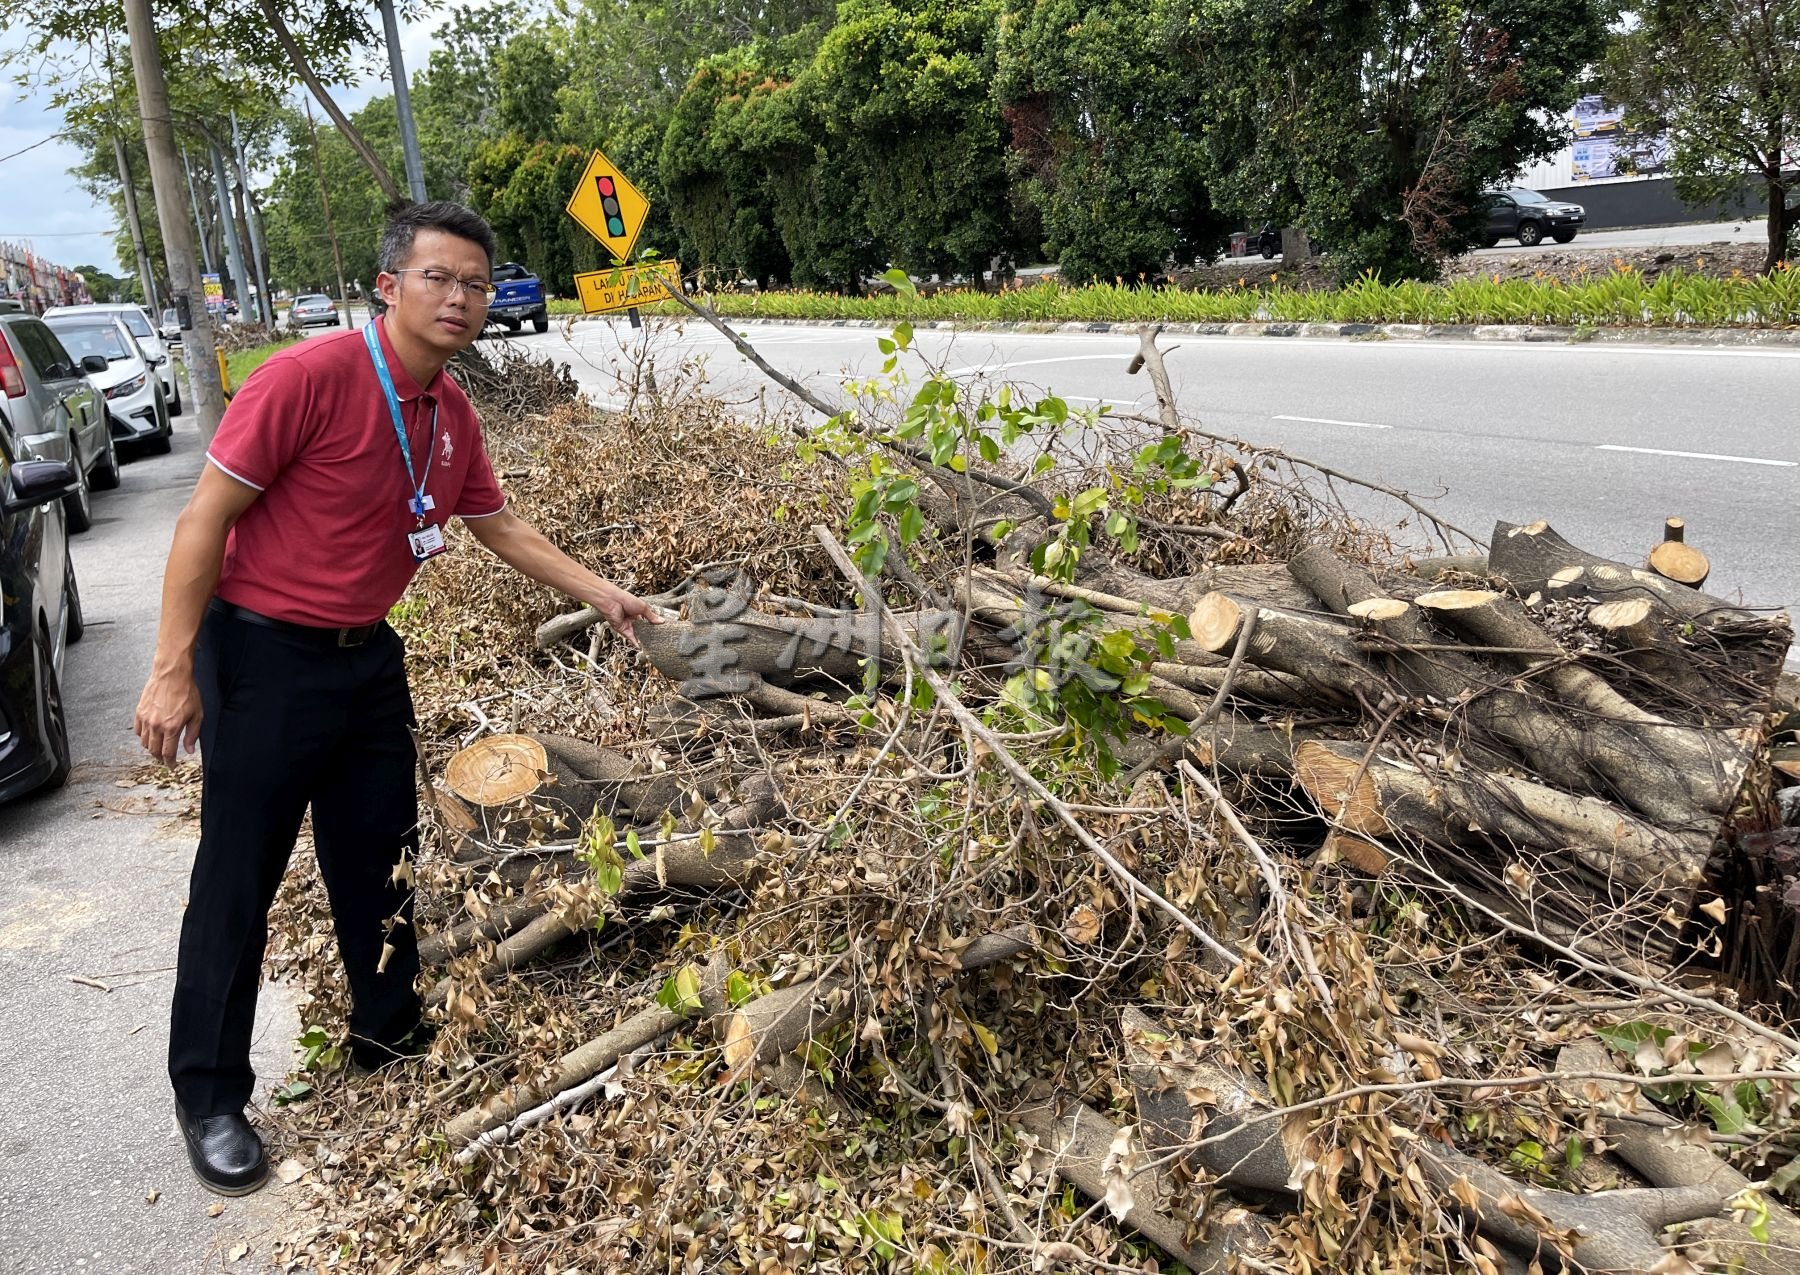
x=325 y=544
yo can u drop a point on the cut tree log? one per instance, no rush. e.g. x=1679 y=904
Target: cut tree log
x=1675 y=559
x=1637 y=634
x=1243 y=1145
x=571 y=776
x=787 y=1018
x=732 y=859
x=1652 y=1144
x=1324 y=656
x=1079 y=1144
x=1673 y=774
x=721 y=656
x=1535 y=559
x=1381 y=798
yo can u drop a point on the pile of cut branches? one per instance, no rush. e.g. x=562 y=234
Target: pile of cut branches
x=1038 y=841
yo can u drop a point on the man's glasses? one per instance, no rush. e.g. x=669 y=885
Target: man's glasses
x=443 y=284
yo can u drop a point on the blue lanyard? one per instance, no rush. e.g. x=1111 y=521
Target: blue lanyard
x=386 y=378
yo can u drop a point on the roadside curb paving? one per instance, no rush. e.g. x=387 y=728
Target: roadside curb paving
x=1501 y=332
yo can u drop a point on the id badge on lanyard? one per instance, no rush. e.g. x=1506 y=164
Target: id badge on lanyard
x=426 y=540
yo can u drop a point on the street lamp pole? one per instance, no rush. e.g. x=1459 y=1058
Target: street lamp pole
x=409 y=136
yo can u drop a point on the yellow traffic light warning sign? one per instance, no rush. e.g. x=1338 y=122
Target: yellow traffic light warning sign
x=608 y=206
x=625 y=287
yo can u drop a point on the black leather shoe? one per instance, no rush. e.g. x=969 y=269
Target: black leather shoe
x=226 y=1154
x=369 y=1055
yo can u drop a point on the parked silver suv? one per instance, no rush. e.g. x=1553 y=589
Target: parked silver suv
x=56 y=413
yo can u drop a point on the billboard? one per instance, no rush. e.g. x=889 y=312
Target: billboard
x=215 y=292
x=1605 y=148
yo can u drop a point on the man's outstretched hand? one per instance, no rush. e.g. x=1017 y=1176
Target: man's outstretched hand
x=623 y=610
x=168 y=715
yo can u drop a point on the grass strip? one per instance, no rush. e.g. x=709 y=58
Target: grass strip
x=1621 y=297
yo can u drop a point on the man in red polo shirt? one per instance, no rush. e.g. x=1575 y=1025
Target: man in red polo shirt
x=329 y=483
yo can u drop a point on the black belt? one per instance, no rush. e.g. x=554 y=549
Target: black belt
x=352 y=635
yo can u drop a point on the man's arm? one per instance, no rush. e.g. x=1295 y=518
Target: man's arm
x=523 y=548
x=168 y=712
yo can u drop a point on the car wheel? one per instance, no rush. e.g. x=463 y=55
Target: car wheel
x=106 y=473
x=175 y=399
x=1268 y=254
x=78 y=509
x=74 y=623
x=1530 y=234
x=55 y=718
x=160 y=444
x=1562 y=236
x=540 y=325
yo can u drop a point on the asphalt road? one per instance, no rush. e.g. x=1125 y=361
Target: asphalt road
x=1685 y=236
x=93 y=879
x=1604 y=441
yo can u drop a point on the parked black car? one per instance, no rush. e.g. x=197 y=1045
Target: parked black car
x=40 y=614
x=1527 y=216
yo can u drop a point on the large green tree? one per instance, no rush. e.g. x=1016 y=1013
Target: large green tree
x=903 y=92
x=1375 y=124
x=1720 y=79
x=1104 y=144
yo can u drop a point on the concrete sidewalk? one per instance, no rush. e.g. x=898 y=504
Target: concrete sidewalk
x=92 y=883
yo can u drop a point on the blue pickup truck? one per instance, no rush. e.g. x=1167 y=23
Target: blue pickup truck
x=519 y=296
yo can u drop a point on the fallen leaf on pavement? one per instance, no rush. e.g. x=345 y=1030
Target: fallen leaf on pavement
x=215 y=1208
x=291 y=1170
x=152 y=1196
x=237 y=1252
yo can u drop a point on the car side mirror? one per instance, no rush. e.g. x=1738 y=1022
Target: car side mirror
x=94 y=363
x=40 y=482
x=157 y=360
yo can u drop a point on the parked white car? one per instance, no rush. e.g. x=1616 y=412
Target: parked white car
x=144 y=331
x=137 y=411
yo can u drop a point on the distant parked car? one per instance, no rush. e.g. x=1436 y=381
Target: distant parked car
x=138 y=412
x=1528 y=216
x=144 y=331
x=170 y=327
x=54 y=410
x=315 y=308
x=42 y=614
x=518 y=297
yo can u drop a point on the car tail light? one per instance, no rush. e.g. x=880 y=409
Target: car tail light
x=11 y=376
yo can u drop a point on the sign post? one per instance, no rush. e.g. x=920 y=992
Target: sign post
x=609 y=207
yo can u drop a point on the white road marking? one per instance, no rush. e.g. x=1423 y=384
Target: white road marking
x=1116 y=402
x=1658 y=451
x=1326 y=420
x=1001 y=367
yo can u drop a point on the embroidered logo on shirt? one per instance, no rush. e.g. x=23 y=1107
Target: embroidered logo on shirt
x=448 y=449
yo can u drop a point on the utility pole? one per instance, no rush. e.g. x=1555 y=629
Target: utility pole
x=194 y=202
x=409 y=136
x=337 y=255
x=184 y=275
x=234 y=255
x=256 y=247
x=145 y=278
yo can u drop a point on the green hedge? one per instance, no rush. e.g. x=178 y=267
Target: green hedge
x=1619 y=298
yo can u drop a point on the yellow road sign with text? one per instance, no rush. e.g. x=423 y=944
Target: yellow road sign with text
x=608 y=206
x=622 y=287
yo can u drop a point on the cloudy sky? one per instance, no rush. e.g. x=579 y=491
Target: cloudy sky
x=46 y=207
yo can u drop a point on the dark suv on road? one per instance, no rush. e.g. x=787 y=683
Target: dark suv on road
x=40 y=613
x=1528 y=217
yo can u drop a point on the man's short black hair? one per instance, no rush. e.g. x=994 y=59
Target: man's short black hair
x=407 y=220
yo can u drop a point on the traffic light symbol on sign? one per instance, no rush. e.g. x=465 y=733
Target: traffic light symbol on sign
x=609 y=205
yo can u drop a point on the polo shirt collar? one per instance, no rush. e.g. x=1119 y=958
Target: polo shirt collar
x=405 y=388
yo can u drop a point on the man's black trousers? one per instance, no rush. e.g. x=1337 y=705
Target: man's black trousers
x=292 y=721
